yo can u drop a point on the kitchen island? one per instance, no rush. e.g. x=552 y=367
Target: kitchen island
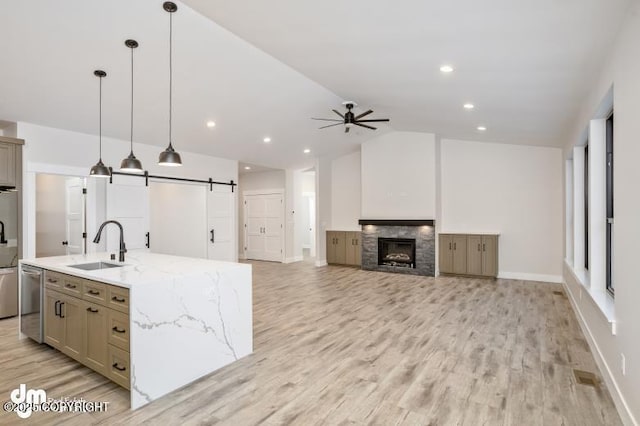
x=180 y=318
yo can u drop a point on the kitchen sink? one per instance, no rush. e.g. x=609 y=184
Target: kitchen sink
x=94 y=266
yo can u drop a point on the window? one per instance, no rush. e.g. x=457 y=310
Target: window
x=609 y=198
x=586 y=206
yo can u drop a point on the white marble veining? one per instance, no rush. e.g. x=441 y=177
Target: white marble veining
x=188 y=317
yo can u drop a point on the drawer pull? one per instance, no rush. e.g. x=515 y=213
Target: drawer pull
x=118 y=330
x=117 y=367
x=70 y=285
x=94 y=293
x=52 y=280
x=93 y=311
x=117 y=299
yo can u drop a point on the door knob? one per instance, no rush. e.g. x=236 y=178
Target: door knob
x=65 y=243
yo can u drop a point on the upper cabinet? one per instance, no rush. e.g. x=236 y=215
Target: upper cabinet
x=7 y=164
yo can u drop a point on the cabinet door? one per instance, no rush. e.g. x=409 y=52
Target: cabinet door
x=53 y=324
x=7 y=164
x=490 y=255
x=341 y=247
x=357 y=238
x=96 y=349
x=331 y=247
x=350 y=241
x=474 y=255
x=445 y=257
x=459 y=254
x=73 y=312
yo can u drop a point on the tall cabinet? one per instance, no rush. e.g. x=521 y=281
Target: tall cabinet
x=468 y=254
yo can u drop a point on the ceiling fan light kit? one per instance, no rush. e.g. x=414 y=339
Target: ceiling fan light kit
x=169 y=157
x=100 y=170
x=349 y=119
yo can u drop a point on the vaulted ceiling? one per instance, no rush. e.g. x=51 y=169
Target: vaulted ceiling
x=264 y=68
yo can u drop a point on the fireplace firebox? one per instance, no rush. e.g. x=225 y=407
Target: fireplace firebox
x=397 y=252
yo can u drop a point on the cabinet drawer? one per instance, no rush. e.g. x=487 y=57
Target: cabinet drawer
x=71 y=286
x=94 y=292
x=118 y=298
x=53 y=280
x=118 y=329
x=118 y=366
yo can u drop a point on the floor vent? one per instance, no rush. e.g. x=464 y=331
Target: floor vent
x=558 y=293
x=586 y=378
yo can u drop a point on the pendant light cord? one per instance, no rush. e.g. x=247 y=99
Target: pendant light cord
x=100 y=119
x=131 y=130
x=170 y=74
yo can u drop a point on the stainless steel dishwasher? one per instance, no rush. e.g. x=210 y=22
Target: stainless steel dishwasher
x=31 y=302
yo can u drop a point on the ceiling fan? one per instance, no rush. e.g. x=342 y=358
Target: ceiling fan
x=349 y=119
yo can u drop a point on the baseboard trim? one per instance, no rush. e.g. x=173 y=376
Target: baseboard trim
x=293 y=259
x=321 y=263
x=531 y=277
x=621 y=404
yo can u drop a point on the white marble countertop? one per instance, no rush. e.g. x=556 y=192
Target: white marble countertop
x=140 y=267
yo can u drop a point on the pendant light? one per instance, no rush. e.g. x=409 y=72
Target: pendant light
x=131 y=163
x=169 y=157
x=100 y=170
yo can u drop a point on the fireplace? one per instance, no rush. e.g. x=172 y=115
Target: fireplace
x=397 y=252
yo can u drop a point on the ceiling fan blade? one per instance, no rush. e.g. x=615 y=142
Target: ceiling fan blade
x=364 y=125
x=364 y=114
x=330 y=125
x=346 y=129
x=338 y=112
x=374 y=120
x=327 y=119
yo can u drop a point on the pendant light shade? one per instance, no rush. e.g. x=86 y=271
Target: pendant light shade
x=131 y=163
x=169 y=157
x=100 y=170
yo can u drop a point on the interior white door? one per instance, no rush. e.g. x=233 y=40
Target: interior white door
x=74 y=215
x=221 y=224
x=264 y=224
x=178 y=219
x=128 y=203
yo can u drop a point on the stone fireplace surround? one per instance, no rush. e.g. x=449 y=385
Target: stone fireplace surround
x=423 y=231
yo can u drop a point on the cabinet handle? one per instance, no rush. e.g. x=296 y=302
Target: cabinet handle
x=117 y=367
x=61 y=316
x=57 y=308
x=117 y=299
x=93 y=311
x=52 y=280
x=478 y=246
x=117 y=330
x=70 y=285
x=148 y=243
x=483 y=247
x=454 y=246
x=94 y=293
x=213 y=236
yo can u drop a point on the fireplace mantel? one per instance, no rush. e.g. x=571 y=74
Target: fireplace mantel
x=397 y=222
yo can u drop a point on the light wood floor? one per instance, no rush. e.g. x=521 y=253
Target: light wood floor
x=338 y=345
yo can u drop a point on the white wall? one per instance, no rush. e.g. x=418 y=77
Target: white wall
x=620 y=70
x=514 y=190
x=60 y=151
x=398 y=176
x=256 y=181
x=346 y=192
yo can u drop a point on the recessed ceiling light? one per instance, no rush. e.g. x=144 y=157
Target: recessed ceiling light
x=247 y=168
x=267 y=139
x=211 y=124
x=481 y=128
x=306 y=151
x=446 y=69
x=468 y=106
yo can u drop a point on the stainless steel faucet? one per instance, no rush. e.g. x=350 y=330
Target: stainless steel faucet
x=123 y=249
